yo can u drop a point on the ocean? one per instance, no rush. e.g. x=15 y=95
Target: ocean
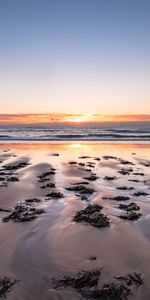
x=122 y=132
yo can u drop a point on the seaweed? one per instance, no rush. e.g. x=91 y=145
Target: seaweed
x=23 y=213
x=110 y=178
x=13 y=179
x=125 y=171
x=48 y=185
x=138 y=174
x=55 y=195
x=15 y=167
x=132 y=279
x=92 y=177
x=6 y=286
x=84 y=157
x=106 y=157
x=129 y=207
x=32 y=200
x=80 y=280
x=125 y=188
x=87 y=284
x=81 y=188
x=126 y=162
x=118 y=198
x=131 y=215
x=111 y=291
x=92 y=215
x=4 y=210
x=140 y=193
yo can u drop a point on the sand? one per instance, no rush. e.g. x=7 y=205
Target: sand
x=53 y=244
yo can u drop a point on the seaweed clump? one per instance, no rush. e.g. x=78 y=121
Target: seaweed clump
x=92 y=215
x=55 y=195
x=86 y=283
x=110 y=178
x=23 y=213
x=78 y=281
x=43 y=176
x=112 y=291
x=6 y=285
x=139 y=193
x=92 y=177
x=16 y=167
x=125 y=188
x=129 y=207
x=81 y=189
x=117 y=198
x=131 y=215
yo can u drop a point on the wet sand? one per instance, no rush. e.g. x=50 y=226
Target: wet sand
x=53 y=244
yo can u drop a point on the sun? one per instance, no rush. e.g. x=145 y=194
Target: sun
x=75 y=120
x=86 y=117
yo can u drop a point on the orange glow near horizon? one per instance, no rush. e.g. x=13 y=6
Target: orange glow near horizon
x=75 y=119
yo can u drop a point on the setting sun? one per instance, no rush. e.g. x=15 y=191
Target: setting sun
x=76 y=120
x=86 y=117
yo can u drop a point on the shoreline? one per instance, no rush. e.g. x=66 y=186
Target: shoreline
x=53 y=244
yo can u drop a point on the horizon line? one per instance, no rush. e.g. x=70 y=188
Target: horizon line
x=66 y=118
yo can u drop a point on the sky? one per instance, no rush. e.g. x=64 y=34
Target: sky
x=75 y=57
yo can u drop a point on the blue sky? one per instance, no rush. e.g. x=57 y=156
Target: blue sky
x=75 y=56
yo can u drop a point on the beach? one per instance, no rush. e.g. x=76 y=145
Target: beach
x=52 y=183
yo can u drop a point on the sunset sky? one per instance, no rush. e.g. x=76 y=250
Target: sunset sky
x=88 y=57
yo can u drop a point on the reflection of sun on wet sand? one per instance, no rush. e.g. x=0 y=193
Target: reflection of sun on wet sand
x=75 y=210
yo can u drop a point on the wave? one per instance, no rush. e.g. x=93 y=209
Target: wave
x=79 y=133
